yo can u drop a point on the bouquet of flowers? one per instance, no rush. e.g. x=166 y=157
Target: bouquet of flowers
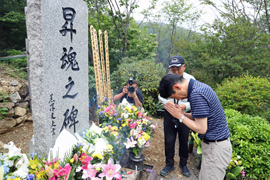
x=77 y=163
x=126 y=126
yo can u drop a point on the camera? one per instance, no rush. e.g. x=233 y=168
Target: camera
x=131 y=89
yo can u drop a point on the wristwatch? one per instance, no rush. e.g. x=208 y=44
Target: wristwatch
x=182 y=118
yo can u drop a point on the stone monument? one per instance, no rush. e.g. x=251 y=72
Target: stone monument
x=57 y=33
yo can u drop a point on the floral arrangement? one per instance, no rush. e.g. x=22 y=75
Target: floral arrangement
x=128 y=127
x=96 y=155
x=78 y=163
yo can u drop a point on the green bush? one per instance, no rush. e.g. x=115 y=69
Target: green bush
x=250 y=140
x=148 y=75
x=247 y=94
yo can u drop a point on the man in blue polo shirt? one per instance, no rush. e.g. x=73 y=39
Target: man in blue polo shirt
x=207 y=118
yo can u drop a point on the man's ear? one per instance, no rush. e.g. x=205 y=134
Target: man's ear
x=177 y=86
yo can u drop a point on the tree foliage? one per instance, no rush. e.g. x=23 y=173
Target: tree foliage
x=148 y=75
x=250 y=140
x=12 y=25
x=247 y=94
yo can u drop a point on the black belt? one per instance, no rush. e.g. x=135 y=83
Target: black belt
x=207 y=141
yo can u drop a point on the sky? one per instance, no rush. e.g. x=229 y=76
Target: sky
x=208 y=14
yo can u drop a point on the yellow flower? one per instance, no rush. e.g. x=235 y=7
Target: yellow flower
x=115 y=133
x=110 y=147
x=98 y=155
x=117 y=121
x=35 y=164
x=126 y=108
x=105 y=128
x=114 y=128
x=144 y=122
x=72 y=160
x=134 y=108
x=120 y=128
x=41 y=175
x=124 y=125
x=145 y=136
x=56 y=165
x=138 y=122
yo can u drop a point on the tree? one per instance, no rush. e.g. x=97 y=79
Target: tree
x=254 y=11
x=12 y=25
x=138 y=42
x=176 y=12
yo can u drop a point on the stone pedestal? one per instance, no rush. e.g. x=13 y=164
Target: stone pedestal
x=136 y=163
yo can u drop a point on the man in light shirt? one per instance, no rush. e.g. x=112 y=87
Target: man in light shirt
x=172 y=125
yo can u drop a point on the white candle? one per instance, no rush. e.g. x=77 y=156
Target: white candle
x=136 y=169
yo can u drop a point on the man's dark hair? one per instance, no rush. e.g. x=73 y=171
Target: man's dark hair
x=166 y=84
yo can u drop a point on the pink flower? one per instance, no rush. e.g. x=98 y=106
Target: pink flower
x=111 y=171
x=118 y=176
x=133 y=132
x=130 y=143
x=140 y=115
x=49 y=171
x=243 y=173
x=132 y=126
x=65 y=171
x=147 y=144
x=107 y=109
x=89 y=172
x=85 y=159
x=61 y=172
x=153 y=126
x=75 y=157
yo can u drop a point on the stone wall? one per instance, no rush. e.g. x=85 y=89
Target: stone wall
x=14 y=95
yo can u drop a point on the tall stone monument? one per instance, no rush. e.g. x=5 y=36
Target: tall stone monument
x=57 y=32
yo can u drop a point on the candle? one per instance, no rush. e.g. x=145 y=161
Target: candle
x=136 y=169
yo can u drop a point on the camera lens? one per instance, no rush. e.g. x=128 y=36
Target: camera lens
x=131 y=89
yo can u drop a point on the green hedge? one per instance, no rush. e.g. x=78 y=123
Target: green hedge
x=247 y=94
x=250 y=137
x=147 y=73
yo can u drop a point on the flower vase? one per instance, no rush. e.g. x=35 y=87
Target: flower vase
x=139 y=153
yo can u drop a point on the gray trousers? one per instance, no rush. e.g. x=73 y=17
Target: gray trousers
x=216 y=157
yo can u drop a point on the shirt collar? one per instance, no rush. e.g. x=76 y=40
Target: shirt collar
x=190 y=85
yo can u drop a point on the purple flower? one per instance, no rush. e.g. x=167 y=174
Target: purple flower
x=33 y=154
x=106 y=99
x=30 y=177
x=119 y=119
x=79 y=145
x=100 y=112
x=99 y=107
x=115 y=114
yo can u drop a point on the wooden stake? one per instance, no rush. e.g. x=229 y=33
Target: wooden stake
x=110 y=95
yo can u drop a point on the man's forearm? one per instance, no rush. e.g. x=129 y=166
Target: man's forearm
x=117 y=97
x=199 y=125
x=188 y=115
x=137 y=101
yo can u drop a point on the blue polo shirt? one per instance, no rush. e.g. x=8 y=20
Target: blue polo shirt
x=205 y=103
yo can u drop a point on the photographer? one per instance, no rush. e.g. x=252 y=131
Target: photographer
x=131 y=92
